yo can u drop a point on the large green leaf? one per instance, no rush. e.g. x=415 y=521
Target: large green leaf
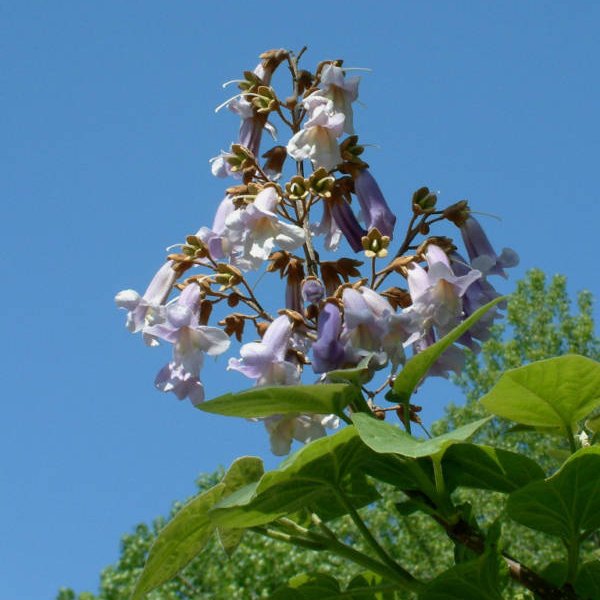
x=556 y=392
x=479 y=579
x=244 y=470
x=178 y=542
x=390 y=439
x=487 y=468
x=587 y=584
x=308 y=478
x=566 y=504
x=320 y=398
x=416 y=368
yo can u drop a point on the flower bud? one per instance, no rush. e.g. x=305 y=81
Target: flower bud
x=297 y=188
x=423 y=201
x=312 y=290
x=374 y=244
x=321 y=183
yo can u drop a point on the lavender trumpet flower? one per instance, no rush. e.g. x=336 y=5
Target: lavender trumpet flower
x=328 y=351
x=147 y=309
x=190 y=342
x=480 y=251
x=375 y=210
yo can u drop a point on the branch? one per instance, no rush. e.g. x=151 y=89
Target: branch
x=464 y=534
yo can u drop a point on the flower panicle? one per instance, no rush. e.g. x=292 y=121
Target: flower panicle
x=289 y=208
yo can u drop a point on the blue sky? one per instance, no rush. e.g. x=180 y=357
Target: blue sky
x=108 y=125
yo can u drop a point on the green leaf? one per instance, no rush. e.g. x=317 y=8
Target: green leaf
x=566 y=504
x=390 y=439
x=487 y=468
x=320 y=398
x=593 y=424
x=178 y=542
x=366 y=586
x=587 y=584
x=309 y=587
x=359 y=375
x=480 y=579
x=308 y=478
x=416 y=368
x=556 y=392
x=244 y=470
x=371 y=586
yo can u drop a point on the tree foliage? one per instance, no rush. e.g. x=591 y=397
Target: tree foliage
x=540 y=324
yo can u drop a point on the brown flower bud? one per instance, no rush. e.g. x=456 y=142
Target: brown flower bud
x=275 y=158
x=379 y=414
x=423 y=201
x=261 y=327
x=457 y=213
x=234 y=325
x=205 y=312
x=397 y=297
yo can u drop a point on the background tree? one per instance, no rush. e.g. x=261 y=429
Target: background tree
x=540 y=323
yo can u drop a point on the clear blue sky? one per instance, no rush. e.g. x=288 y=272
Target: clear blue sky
x=108 y=124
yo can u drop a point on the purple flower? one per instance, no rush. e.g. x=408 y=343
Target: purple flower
x=437 y=292
x=147 y=309
x=264 y=361
x=364 y=326
x=480 y=251
x=452 y=359
x=375 y=210
x=328 y=351
x=251 y=125
x=312 y=290
x=344 y=218
x=216 y=238
x=190 y=342
x=478 y=294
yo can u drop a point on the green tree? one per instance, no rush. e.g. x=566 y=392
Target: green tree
x=540 y=323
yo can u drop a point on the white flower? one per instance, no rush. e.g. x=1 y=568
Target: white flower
x=256 y=230
x=341 y=91
x=317 y=141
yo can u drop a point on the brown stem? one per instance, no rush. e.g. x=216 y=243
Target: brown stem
x=464 y=534
x=312 y=261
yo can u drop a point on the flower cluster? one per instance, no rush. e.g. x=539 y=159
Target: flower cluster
x=337 y=312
